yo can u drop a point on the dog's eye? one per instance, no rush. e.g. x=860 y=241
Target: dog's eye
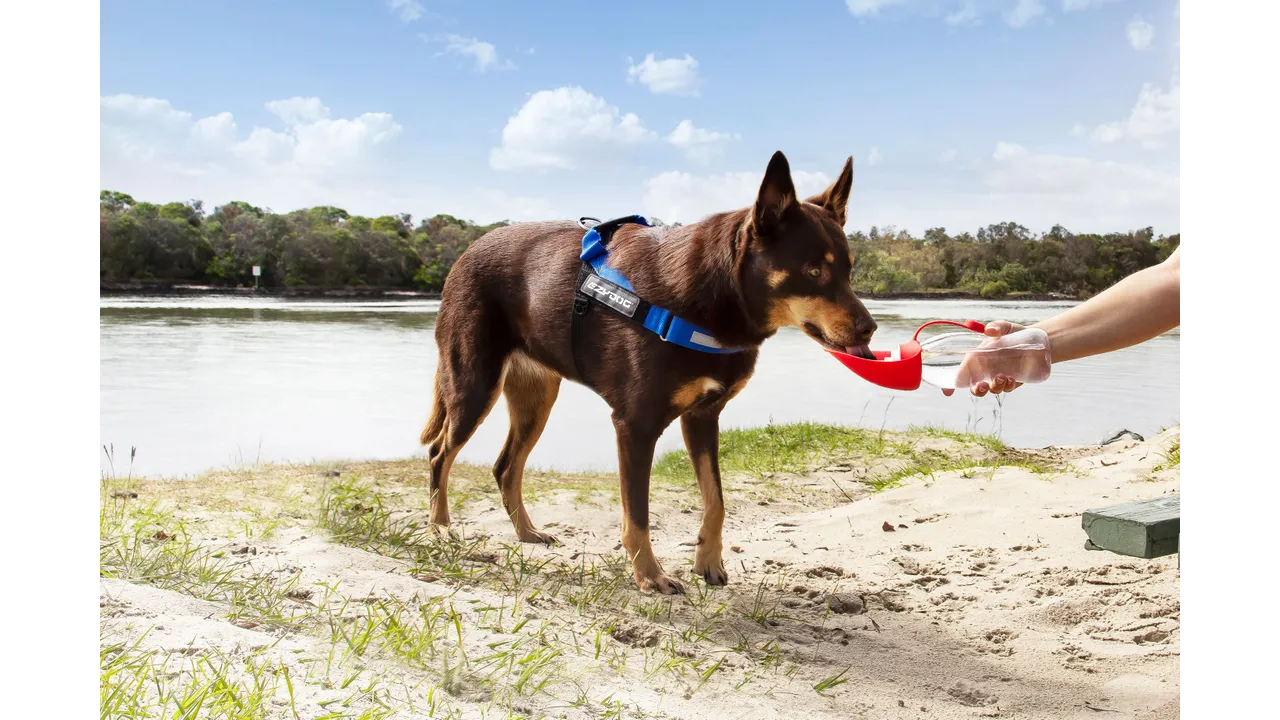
x=815 y=272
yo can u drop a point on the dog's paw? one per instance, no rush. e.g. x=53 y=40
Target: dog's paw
x=712 y=574
x=536 y=536
x=440 y=530
x=662 y=584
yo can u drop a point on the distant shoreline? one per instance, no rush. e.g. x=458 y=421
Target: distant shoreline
x=162 y=289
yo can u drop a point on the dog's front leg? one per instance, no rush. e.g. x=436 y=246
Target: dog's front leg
x=702 y=440
x=635 y=459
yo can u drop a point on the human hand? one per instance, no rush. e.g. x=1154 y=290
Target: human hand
x=972 y=365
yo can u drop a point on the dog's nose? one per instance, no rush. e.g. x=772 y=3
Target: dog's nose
x=866 y=327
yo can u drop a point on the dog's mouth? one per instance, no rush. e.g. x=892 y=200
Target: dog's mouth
x=861 y=351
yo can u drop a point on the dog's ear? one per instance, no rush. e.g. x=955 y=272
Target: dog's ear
x=777 y=194
x=835 y=199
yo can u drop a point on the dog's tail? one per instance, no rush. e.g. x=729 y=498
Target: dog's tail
x=435 y=421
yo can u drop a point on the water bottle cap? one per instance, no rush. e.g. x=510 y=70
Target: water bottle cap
x=905 y=371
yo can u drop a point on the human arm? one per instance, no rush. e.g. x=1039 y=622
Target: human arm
x=1134 y=310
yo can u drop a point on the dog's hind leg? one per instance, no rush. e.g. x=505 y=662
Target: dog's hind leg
x=468 y=387
x=530 y=389
x=702 y=440
x=635 y=460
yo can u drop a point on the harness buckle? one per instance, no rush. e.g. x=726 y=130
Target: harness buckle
x=580 y=305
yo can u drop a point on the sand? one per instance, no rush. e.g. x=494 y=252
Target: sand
x=981 y=602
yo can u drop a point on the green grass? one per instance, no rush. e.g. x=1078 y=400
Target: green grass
x=1171 y=457
x=830 y=682
x=990 y=442
x=790 y=448
x=134 y=683
x=803 y=447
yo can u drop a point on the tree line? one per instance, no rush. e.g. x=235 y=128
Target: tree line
x=327 y=247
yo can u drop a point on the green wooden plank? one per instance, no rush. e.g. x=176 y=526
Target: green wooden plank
x=1145 y=529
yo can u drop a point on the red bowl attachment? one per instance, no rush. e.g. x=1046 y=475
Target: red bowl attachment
x=906 y=372
x=901 y=374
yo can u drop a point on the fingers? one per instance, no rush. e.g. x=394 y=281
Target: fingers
x=998 y=384
x=997 y=328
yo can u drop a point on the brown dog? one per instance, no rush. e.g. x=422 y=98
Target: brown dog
x=505 y=325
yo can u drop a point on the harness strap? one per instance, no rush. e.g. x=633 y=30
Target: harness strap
x=601 y=284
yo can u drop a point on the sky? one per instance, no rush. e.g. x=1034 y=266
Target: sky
x=958 y=113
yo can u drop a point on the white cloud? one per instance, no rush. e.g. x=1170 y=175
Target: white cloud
x=484 y=53
x=685 y=198
x=1078 y=130
x=874 y=157
x=966 y=15
x=956 y=13
x=699 y=144
x=1154 y=115
x=1082 y=193
x=566 y=128
x=1078 y=5
x=860 y=8
x=1013 y=183
x=1025 y=12
x=304 y=157
x=155 y=151
x=947 y=156
x=673 y=76
x=1159 y=113
x=1108 y=133
x=406 y=10
x=1140 y=33
x=297 y=110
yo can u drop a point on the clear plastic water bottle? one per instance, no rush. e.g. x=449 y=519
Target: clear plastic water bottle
x=964 y=359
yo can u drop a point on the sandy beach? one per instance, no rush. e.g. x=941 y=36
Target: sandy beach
x=945 y=579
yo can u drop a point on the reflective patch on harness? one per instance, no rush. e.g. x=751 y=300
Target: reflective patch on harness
x=704 y=340
x=611 y=295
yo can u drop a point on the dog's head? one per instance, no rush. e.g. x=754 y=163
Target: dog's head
x=796 y=263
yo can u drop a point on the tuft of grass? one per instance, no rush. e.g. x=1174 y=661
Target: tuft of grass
x=990 y=442
x=833 y=681
x=795 y=447
x=138 y=684
x=1171 y=456
x=150 y=551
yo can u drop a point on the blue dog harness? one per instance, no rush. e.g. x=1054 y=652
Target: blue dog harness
x=602 y=284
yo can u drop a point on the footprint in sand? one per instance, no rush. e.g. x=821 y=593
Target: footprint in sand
x=970 y=694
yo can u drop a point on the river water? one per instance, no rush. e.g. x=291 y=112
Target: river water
x=215 y=382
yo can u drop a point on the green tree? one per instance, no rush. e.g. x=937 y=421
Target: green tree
x=326 y=246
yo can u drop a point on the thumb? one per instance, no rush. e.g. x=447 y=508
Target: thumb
x=998 y=328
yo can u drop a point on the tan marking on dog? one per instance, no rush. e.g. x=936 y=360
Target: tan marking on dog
x=531 y=389
x=689 y=393
x=777 y=277
x=831 y=257
x=708 y=556
x=439 y=502
x=796 y=311
x=644 y=564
